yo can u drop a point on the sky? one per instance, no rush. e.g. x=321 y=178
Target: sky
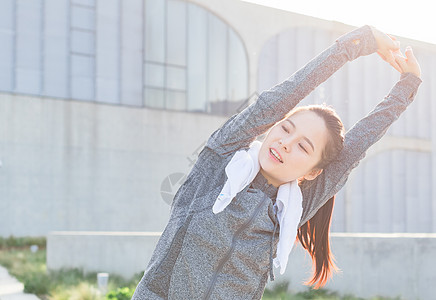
x=411 y=19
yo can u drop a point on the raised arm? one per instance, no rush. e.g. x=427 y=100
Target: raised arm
x=273 y=104
x=358 y=139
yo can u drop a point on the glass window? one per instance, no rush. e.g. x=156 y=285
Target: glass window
x=84 y=2
x=7 y=16
x=28 y=16
x=176 y=33
x=154 y=75
x=176 y=100
x=82 y=77
x=217 y=60
x=132 y=43
x=197 y=58
x=82 y=88
x=82 y=17
x=189 y=57
x=284 y=54
x=55 y=67
x=155 y=97
x=107 y=90
x=6 y=40
x=28 y=47
x=285 y=62
x=82 y=66
x=304 y=47
x=6 y=59
x=268 y=65
x=56 y=48
x=28 y=51
x=27 y=81
x=237 y=76
x=155 y=30
x=176 y=78
x=108 y=52
x=82 y=42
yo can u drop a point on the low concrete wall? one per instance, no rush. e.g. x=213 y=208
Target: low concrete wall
x=390 y=265
x=387 y=265
x=122 y=253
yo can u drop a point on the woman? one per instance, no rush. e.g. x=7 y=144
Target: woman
x=219 y=244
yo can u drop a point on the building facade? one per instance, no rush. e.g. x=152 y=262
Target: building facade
x=105 y=104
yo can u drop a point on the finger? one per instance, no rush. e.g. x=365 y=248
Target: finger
x=409 y=54
x=396 y=66
x=399 y=53
x=401 y=61
x=396 y=45
x=381 y=55
x=392 y=37
x=391 y=60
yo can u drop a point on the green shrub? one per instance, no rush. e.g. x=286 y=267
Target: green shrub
x=83 y=291
x=27 y=267
x=21 y=242
x=278 y=292
x=73 y=284
x=68 y=277
x=37 y=283
x=318 y=294
x=120 y=294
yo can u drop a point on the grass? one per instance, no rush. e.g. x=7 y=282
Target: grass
x=281 y=292
x=30 y=268
x=19 y=242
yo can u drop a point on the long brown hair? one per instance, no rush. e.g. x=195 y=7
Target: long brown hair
x=314 y=237
x=314 y=234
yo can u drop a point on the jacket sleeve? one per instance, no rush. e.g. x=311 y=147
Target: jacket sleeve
x=272 y=105
x=358 y=139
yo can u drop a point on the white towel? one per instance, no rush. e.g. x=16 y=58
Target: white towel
x=240 y=171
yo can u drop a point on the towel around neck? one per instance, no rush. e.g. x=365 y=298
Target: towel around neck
x=240 y=171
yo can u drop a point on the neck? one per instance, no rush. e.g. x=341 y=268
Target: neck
x=269 y=179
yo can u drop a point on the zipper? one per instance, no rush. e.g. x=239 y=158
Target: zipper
x=229 y=253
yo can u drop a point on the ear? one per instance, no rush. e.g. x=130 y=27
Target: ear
x=313 y=174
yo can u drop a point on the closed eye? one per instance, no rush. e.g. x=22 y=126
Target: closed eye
x=302 y=147
x=285 y=129
x=305 y=138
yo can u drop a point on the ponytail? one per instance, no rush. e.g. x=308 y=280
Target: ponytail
x=314 y=237
x=314 y=234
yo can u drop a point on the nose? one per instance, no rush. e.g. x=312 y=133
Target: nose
x=286 y=143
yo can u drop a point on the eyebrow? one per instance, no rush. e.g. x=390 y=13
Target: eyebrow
x=307 y=140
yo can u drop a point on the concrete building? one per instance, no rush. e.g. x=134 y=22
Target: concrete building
x=105 y=104
x=101 y=102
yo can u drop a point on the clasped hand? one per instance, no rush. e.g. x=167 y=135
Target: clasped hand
x=388 y=48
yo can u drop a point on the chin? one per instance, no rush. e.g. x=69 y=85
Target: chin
x=261 y=160
x=265 y=165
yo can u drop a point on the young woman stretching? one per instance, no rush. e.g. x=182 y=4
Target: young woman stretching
x=244 y=202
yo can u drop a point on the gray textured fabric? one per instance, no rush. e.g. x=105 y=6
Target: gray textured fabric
x=201 y=255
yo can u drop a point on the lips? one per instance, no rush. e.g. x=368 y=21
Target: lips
x=275 y=154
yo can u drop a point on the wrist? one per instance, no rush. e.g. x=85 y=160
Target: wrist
x=358 y=42
x=411 y=74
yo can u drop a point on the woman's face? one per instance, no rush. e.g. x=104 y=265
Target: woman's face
x=298 y=141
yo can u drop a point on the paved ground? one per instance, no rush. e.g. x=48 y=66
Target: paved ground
x=11 y=288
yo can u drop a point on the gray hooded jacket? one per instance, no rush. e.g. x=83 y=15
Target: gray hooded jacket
x=201 y=255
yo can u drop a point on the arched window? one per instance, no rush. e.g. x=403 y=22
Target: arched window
x=193 y=60
x=291 y=49
x=288 y=51
x=167 y=54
